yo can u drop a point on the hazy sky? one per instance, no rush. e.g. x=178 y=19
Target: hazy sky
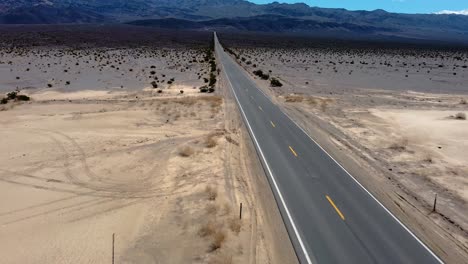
x=401 y=6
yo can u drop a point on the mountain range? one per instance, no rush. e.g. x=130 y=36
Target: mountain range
x=236 y=15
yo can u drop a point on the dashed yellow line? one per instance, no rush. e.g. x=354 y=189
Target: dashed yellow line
x=336 y=208
x=272 y=124
x=292 y=150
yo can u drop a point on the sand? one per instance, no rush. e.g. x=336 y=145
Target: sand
x=84 y=161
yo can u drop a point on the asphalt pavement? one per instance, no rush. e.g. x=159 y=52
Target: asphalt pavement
x=329 y=215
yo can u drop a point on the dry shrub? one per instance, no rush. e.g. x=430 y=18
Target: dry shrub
x=322 y=102
x=463 y=101
x=214 y=101
x=399 y=146
x=207 y=229
x=293 y=99
x=186 y=151
x=232 y=141
x=210 y=141
x=218 y=239
x=211 y=192
x=460 y=116
x=235 y=225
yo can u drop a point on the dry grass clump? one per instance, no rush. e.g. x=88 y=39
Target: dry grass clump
x=215 y=101
x=207 y=229
x=210 y=141
x=460 y=116
x=322 y=102
x=218 y=239
x=293 y=99
x=186 y=151
x=235 y=225
x=211 y=192
x=399 y=146
x=215 y=232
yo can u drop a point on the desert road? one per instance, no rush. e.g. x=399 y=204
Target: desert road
x=330 y=216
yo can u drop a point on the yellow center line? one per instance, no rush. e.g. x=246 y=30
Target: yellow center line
x=292 y=150
x=334 y=206
x=272 y=124
x=259 y=107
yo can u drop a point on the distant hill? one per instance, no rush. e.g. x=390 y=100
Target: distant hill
x=236 y=15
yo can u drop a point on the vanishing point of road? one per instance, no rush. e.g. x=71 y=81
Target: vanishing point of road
x=329 y=215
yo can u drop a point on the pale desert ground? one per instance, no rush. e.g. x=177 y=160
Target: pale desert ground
x=391 y=111
x=110 y=154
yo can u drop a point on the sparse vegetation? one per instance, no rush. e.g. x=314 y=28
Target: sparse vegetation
x=460 y=116
x=22 y=97
x=210 y=141
x=235 y=225
x=262 y=75
x=275 y=83
x=399 y=146
x=211 y=193
x=218 y=240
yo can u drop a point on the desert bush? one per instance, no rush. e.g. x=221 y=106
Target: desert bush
x=211 y=193
x=275 y=83
x=463 y=101
x=203 y=89
x=212 y=80
x=218 y=240
x=210 y=141
x=211 y=90
x=4 y=100
x=235 y=225
x=12 y=95
x=67 y=83
x=186 y=151
x=154 y=84
x=460 y=116
x=49 y=85
x=22 y=97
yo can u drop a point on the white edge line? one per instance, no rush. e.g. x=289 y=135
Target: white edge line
x=271 y=175
x=352 y=177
